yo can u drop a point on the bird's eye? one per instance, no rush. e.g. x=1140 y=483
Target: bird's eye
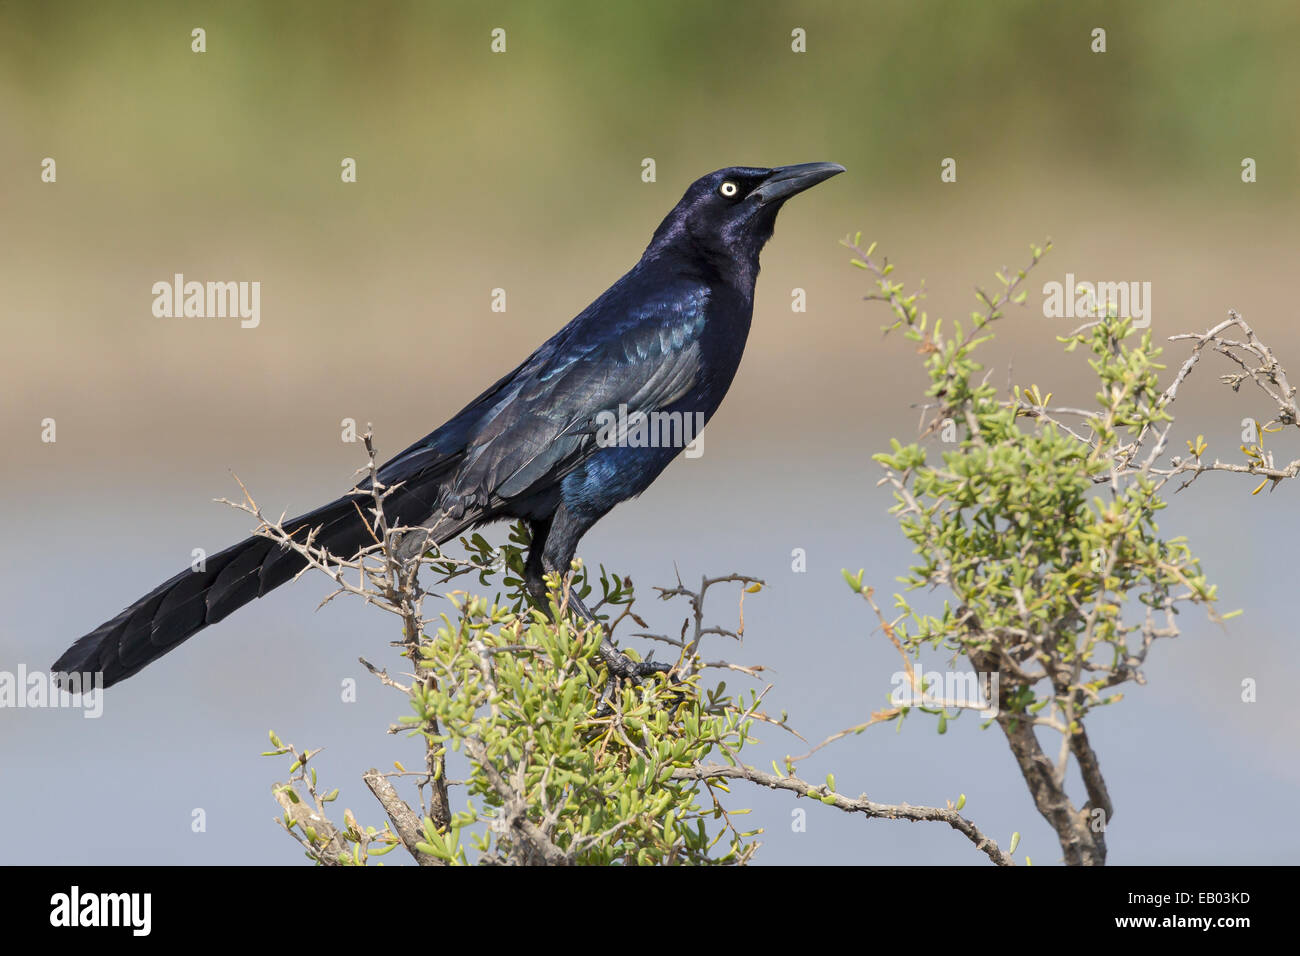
x=729 y=189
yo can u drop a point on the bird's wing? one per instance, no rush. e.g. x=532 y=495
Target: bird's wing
x=646 y=359
x=445 y=446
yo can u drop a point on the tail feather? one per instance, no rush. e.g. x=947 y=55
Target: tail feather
x=182 y=606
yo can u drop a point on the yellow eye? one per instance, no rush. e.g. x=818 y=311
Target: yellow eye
x=729 y=189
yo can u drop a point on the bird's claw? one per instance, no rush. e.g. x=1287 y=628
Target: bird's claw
x=621 y=668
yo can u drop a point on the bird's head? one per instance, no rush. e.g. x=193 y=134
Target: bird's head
x=729 y=214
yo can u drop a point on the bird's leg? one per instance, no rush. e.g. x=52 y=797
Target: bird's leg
x=618 y=666
x=545 y=554
x=534 y=571
x=618 y=663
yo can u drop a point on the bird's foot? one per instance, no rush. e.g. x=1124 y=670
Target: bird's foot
x=622 y=668
x=618 y=665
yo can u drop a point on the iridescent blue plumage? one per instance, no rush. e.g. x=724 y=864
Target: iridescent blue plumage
x=661 y=344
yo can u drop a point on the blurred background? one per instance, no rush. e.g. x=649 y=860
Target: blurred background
x=522 y=171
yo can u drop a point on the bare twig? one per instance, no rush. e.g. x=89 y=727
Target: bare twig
x=860 y=804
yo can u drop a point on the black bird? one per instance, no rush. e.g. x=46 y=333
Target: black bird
x=666 y=337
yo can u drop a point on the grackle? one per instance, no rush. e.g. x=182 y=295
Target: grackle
x=667 y=337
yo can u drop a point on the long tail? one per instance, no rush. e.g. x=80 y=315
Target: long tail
x=178 y=609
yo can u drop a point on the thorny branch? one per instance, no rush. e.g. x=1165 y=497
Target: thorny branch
x=387 y=579
x=1256 y=363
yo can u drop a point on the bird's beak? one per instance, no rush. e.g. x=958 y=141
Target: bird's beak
x=785 y=181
